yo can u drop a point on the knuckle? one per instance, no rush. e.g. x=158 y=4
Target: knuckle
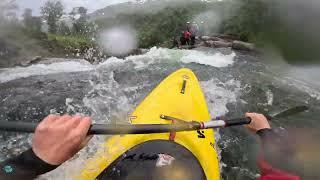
x=77 y=137
x=65 y=116
x=76 y=120
x=76 y=140
x=88 y=120
x=42 y=128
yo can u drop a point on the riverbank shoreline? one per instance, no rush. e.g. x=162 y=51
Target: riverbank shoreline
x=212 y=42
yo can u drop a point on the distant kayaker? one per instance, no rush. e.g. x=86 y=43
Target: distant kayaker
x=59 y=138
x=194 y=31
x=183 y=41
x=188 y=26
x=187 y=36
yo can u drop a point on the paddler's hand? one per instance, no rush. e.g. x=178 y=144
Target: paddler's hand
x=259 y=121
x=58 y=138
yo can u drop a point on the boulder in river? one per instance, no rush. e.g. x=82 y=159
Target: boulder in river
x=36 y=59
x=205 y=38
x=209 y=43
x=221 y=44
x=208 y=38
x=217 y=44
x=33 y=60
x=240 y=45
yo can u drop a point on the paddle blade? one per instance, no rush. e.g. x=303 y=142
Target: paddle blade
x=290 y=112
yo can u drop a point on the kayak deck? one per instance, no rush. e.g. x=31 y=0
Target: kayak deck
x=179 y=96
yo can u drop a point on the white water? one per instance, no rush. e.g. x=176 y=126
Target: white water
x=9 y=74
x=154 y=55
x=218 y=95
x=112 y=95
x=216 y=60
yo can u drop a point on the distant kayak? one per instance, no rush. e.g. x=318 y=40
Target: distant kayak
x=181 y=155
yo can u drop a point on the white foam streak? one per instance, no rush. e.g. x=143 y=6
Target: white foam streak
x=9 y=74
x=216 y=60
x=219 y=94
x=154 y=55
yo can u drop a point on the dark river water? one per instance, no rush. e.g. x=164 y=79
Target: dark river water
x=233 y=83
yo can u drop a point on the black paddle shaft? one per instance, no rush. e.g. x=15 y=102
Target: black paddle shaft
x=18 y=126
x=238 y=122
x=106 y=129
x=147 y=128
x=142 y=128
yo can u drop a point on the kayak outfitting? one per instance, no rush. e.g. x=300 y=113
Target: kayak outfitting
x=177 y=102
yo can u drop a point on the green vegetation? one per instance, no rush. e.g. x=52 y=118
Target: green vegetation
x=248 y=21
x=71 y=33
x=25 y=40
x=51 y=12
x=70 y=46
x=289 y=27
x=156 y=28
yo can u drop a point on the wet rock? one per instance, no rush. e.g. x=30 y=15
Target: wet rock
x=24 y=63
x=221 y=44
x=209 y=43
x=216 y=39
x=34 y=60
x=228 y=37
x=205 y=38
x=208 y=38
x=201 y=44
x=217 y=44
x=240 y=45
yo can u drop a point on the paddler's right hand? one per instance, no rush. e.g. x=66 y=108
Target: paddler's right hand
x=259 y=121
x=58 y=138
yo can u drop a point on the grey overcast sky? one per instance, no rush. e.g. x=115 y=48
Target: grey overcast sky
x=92 y=5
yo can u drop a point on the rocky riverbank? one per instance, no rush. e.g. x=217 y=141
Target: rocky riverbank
x=215 y=41
x=224 y=41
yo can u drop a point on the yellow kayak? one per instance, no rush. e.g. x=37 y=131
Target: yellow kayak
x=181 y=155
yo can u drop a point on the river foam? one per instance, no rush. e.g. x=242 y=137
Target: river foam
x=215 y=60
x=154 y=55
x=9 y=74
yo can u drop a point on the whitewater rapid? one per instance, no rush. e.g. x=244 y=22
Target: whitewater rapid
x=112 y=94
x=233 y=83
x=154 y=55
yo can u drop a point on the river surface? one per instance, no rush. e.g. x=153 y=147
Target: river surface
x=233 y=83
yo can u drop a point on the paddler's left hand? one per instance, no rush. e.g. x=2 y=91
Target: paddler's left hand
x=58 y=138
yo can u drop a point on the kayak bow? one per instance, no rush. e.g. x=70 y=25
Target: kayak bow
x=144 y=156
